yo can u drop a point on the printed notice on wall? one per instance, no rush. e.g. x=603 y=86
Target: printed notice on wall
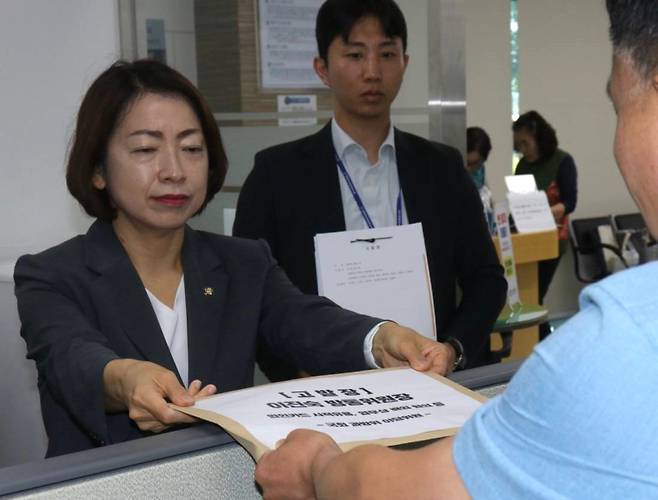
x=156 y=47
x=381 y=272
x=287 y=43
x=389 y=407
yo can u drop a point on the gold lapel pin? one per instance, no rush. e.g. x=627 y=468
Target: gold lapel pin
x=207 y=291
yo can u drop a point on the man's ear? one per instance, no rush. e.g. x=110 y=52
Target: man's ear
x=406 y=61
x=322 y=70
x=98 y=179
x=654 y=81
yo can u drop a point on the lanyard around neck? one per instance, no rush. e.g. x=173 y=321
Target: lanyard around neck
x=359 y=201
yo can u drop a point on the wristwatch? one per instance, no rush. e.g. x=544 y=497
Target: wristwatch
x=460 y=360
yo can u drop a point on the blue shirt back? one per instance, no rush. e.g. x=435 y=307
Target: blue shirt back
x=579 y=418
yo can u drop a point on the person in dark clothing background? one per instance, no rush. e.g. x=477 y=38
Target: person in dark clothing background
x=478 y=147
x=555 y=173
x=299 y=189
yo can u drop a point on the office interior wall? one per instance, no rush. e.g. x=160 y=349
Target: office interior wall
x=414 y=92
x=447 y=73
x=180 y=42
x=488 y=74
x=564 y=63
x=49 y=53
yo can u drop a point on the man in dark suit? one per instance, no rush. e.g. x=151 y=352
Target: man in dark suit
x=360 y=172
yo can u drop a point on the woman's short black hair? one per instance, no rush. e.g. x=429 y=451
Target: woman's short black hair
x=542 y=131
x=338 y=17
x=478 y=140
x=103 y=106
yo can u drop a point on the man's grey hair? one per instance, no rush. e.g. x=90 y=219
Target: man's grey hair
x=634 y=32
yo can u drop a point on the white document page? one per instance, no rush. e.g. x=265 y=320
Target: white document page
x=520 y=183
x=531 y=212
x=364 y=406
x=380 y=272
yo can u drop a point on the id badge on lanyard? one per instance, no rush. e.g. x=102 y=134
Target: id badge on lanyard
x=359 y=201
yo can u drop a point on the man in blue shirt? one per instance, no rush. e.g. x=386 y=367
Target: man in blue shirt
x=578 y=419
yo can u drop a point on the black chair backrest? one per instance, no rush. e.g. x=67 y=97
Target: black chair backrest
x=640 y=237
x=630 y=222
x=588 y=254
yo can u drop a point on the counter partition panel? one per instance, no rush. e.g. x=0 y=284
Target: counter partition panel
x=198 y=462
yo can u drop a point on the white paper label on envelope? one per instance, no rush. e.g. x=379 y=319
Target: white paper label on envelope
x=380 y=272
x=378 y=404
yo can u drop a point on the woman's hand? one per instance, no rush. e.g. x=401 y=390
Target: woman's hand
x=558 y=211
x=198 y=391
x=144 y=389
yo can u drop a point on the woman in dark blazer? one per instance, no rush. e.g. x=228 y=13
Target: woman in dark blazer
x=142 y=309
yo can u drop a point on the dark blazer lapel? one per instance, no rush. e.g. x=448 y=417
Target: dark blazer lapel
x=320 y=180
x=206 y=289
x=410 y=168
x=119 y=284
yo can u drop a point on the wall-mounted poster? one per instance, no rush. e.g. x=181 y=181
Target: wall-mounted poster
x=287 y=43
x=156 y=47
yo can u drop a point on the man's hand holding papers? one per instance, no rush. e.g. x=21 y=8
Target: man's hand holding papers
x=307 y=453
x=309 y=464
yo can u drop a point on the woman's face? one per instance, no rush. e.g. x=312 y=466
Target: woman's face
x=156 y=168
x=473 y=161
x=525 y=143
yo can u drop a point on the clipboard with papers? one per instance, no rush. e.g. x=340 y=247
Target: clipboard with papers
x=381 y=272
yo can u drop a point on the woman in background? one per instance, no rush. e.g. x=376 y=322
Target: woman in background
x=478 y=147
x=555 y=173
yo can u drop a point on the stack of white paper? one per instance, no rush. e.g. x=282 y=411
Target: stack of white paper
x=380 y=272
x=387 y=407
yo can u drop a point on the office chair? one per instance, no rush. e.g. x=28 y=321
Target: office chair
x=639 y=234
x=630 y=221
x=589 y=258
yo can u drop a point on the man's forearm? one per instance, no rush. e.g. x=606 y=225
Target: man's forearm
x=341 y=476
x=379 y=472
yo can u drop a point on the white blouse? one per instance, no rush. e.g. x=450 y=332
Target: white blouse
x=173 y=323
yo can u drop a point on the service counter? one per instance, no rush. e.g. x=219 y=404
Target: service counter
x=529 y=249
x=201 y=461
